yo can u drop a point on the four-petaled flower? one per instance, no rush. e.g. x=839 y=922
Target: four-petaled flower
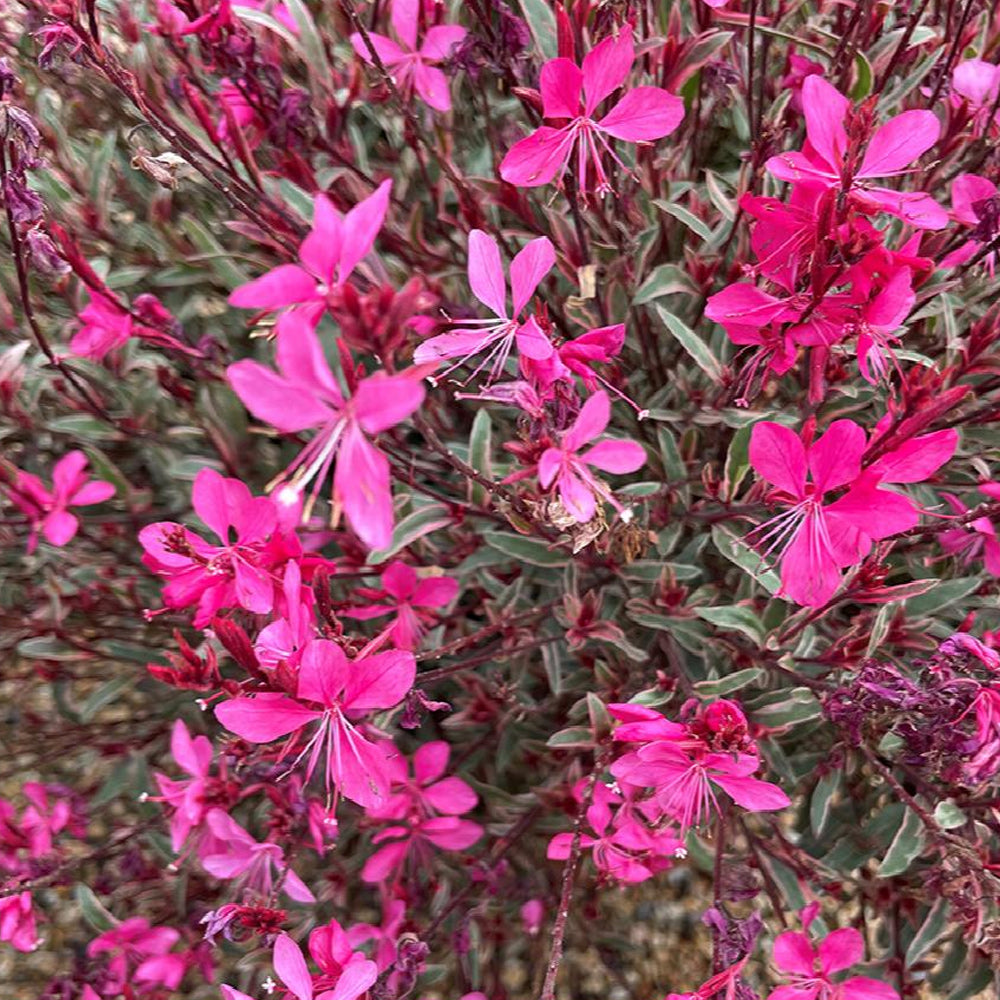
x=47 y=509
x=811 y=968
x=643 y=114
x=815 y=539
x=306 y=395
x=327 y=257
x=343 y=689
x=828 y=161
x=499 y=334
x=412 y=66
x=568 y=467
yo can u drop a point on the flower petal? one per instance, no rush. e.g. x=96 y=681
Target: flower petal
x=486 y=277
x=777 y=455
x=644 y=114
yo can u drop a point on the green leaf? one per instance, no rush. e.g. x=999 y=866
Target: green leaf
x=480 y=443
x=948 y=815
x=729 y=684
x=685 y=217
x=880 y=627
x=864 y=85
x=946 y=594
x=93 y=910
x=736 y=618
x=104 y=695
x=667 y=279
x=905 y=847
x=737 y=462
x=542 y=24
x=934 y=926
x=692 y=343
x=738 y=552
x=821 y=802
x=253 y=16
x=45 y=647
x=787 y=708
x=529 y=550
x=574 y=736
x=320 y=74
x=421 y=522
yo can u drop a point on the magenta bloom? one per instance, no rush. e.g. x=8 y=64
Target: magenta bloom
x=17 y=922
x=622 y=848
x=497 y=336
x=975 y=83
x=103 y=327
x=412 y=66
x=187 y=798
x=644 y=114
x=48 y=509
x=427 y=807
x=237 y=572
x=971 y=199
x=306 y=395
x=410 y=599
x=570 y=469
x=814 y=540
x=978 y=538
x=234 y=854
x=285 y=638
x=889 y=153
x=685 y=765
x=810 y=968
x=327 y=257
x=355 y=978
x=342 y=689
x=877 y=323
x=140 y=953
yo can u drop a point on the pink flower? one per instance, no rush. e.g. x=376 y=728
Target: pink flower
x=623 y=849
x=449 y=833
x=48 y=510
x=577 y=357
x=104 y=326
x=235 y=854
x=427 y=793
x=357 y=768
x=237 y=572
x=684 y=765
x=975 y=83
x=810 y=968
x=327 y=257
x=356 y=977
x=799 y=67
x=140 y=953
x=815 y=540
x=878 y=321
x=411 y=599
x=978 y=538
x=488 y=284
x=189 y=799
x=893 y=147
x=384 y=936
x=412 y=67
x=306 y=395
x=755 y=318
x=569 y=469
x=418 y=802
x=285 y=638
x=644 y=114
x=974 y=202
x=17 y=922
